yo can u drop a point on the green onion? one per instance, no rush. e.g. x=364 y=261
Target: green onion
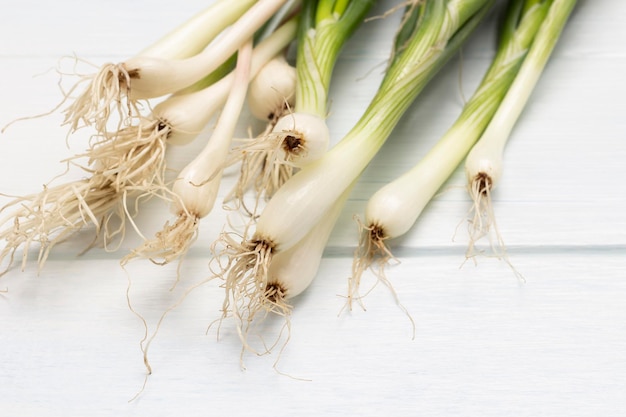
x=322 y=35
x=394 y=208
x=483 y=165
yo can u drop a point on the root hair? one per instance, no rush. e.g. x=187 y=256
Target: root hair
x=128 y=165
x=251 y=295
x=373 y=254
x=102 y=98
x=482 y=223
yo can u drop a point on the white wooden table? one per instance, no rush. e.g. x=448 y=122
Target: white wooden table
x=485 y=343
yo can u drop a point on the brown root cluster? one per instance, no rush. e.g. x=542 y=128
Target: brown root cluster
x=125 y=165
x=482 y=223
x=262 y=169
x=171 y=243
x=104 y=96
x=251 y=296
x=372 y=254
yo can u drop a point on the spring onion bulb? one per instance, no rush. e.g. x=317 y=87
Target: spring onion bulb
x=301 y=202
x=196 y=187
x=483 y=165
x=301 y=136
x=289 y=274
x=272 y=90
x=268 y=160
x=394 y=208
x=149 y=75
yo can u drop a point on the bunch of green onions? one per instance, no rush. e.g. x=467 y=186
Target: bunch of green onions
x=200 y=70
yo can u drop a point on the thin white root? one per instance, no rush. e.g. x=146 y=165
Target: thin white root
x=55 y=214
x=372 y=254
x=134 y=155
x=169 y=244
x=262 y=167
x=265 y=161
x=130 y=165
x=250 y=296
x=102 y=97
x=482 y=223
x=105 y=95
x=147 y=339
x=143 y=339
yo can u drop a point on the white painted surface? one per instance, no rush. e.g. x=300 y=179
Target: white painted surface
x=485 y=344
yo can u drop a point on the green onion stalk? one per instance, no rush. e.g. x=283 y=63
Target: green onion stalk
x=393 y=209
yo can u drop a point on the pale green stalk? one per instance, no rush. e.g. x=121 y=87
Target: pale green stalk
x=325 y=26
x=484 y=160
x=193 y=35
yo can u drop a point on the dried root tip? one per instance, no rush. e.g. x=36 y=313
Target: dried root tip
x=482 y=184
x=371 y=251
x=170 y=243
x=373 y=254
x=482 y=222
x=102 y=98
x=274 y=116
x=132 y=157
x=262 y=168
x=482 y=218
x=56 y=213
x=292 y=145
x=252 y=313
x=245 y=276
